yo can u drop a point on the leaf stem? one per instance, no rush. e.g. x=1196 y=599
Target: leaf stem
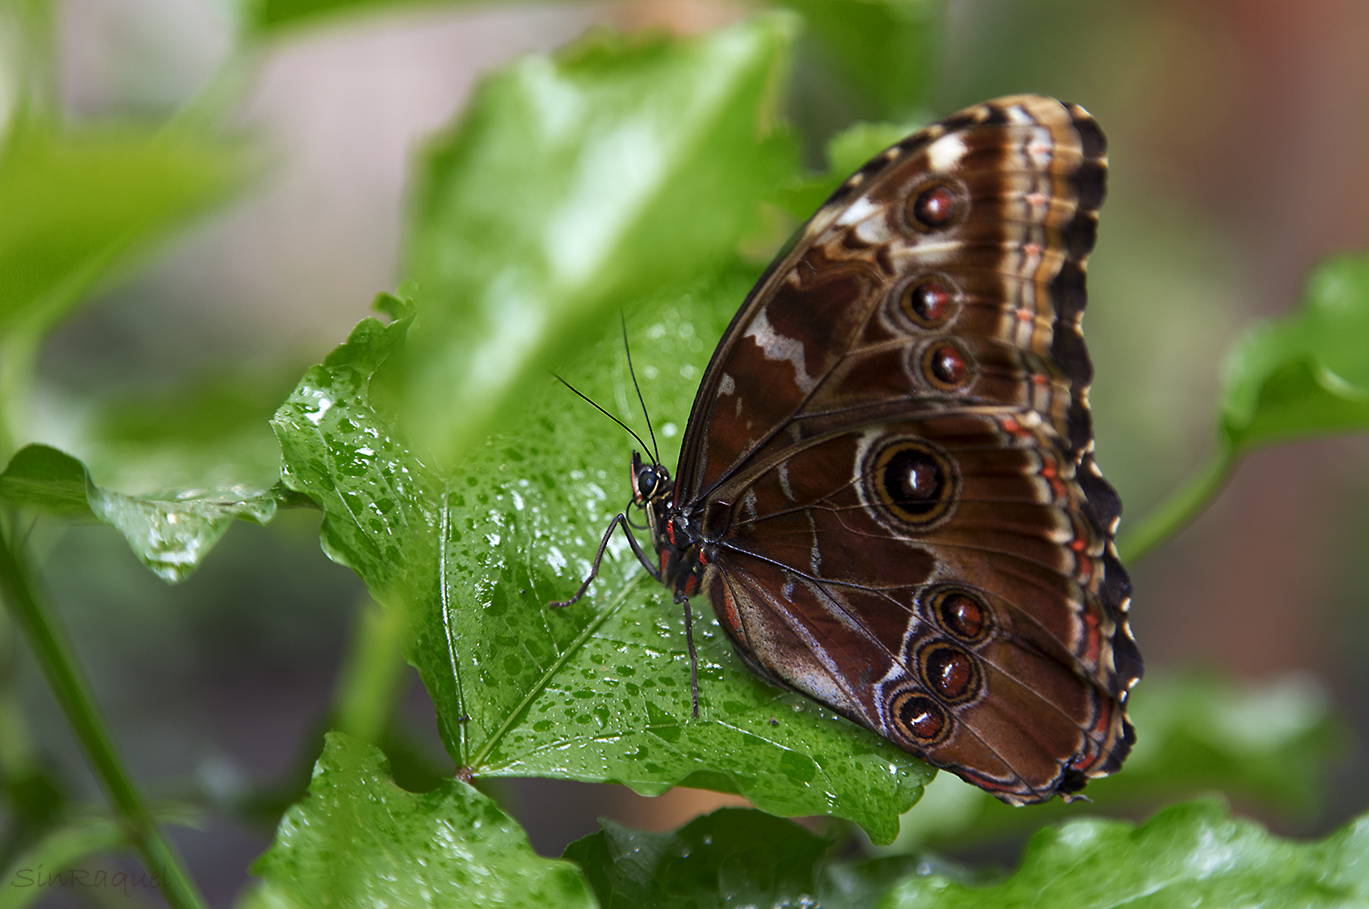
x=54 y=656
x=1179 y=509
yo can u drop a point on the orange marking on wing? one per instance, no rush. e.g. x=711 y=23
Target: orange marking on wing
x=730 y=615
x=1104 y=720
x=1093 y=643
x=1013 y=428
x=1051 y=472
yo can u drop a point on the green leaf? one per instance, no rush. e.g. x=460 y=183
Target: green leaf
x=887 y=50
x=170 y=533
x=573 y=186
x=381 y=504
x=73 y=204
x=41 y=477
x=847 y=151
x=1305 y=374
x=598 y=691
x=1194 y=854
x=1270 y=744
x=271 y=16
x=732 y=857
x=212 y=431
x=1287 y=379
x=359 y=840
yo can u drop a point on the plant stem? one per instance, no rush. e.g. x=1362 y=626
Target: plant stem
x=34 y=68
x=17 y=757
x=18 y=354
x=54 y=656
x=369 y=684
x=1181 y=507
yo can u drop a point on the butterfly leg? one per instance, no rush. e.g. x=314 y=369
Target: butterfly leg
x=620 y=519
x=693 y=657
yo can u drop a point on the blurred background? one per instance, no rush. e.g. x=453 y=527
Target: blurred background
x=1238 y=133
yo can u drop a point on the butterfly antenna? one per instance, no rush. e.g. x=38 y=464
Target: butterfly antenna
x=655 y=452
x=602 y=411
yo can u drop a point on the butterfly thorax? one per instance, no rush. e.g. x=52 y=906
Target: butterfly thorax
x=679 y=550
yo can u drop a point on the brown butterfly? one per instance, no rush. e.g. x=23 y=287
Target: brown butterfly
x=887 y=488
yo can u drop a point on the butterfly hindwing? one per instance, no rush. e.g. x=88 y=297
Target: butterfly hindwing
x=981 y=597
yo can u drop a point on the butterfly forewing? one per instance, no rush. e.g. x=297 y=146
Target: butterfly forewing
x=886 y=487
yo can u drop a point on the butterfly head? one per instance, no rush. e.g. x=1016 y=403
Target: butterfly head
x=650 y=482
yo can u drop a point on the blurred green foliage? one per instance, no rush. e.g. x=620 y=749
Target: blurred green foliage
x=1307 y=373
x=647 y=176
x=570 y=188
x=76 y=203
x=1265 y=744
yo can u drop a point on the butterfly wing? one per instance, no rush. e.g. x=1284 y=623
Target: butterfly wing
x=890 y=459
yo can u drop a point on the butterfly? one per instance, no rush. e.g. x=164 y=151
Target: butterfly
x=887 y=488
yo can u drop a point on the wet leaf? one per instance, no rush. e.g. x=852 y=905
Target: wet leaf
x=598 y=691
x=1194 y=854
x=42 y=477
x=170 y=533
x=359 y=840
x=733 y=857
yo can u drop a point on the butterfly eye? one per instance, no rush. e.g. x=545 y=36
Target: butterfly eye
x=920 y=718
x=936 y=207
x=646 y=482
